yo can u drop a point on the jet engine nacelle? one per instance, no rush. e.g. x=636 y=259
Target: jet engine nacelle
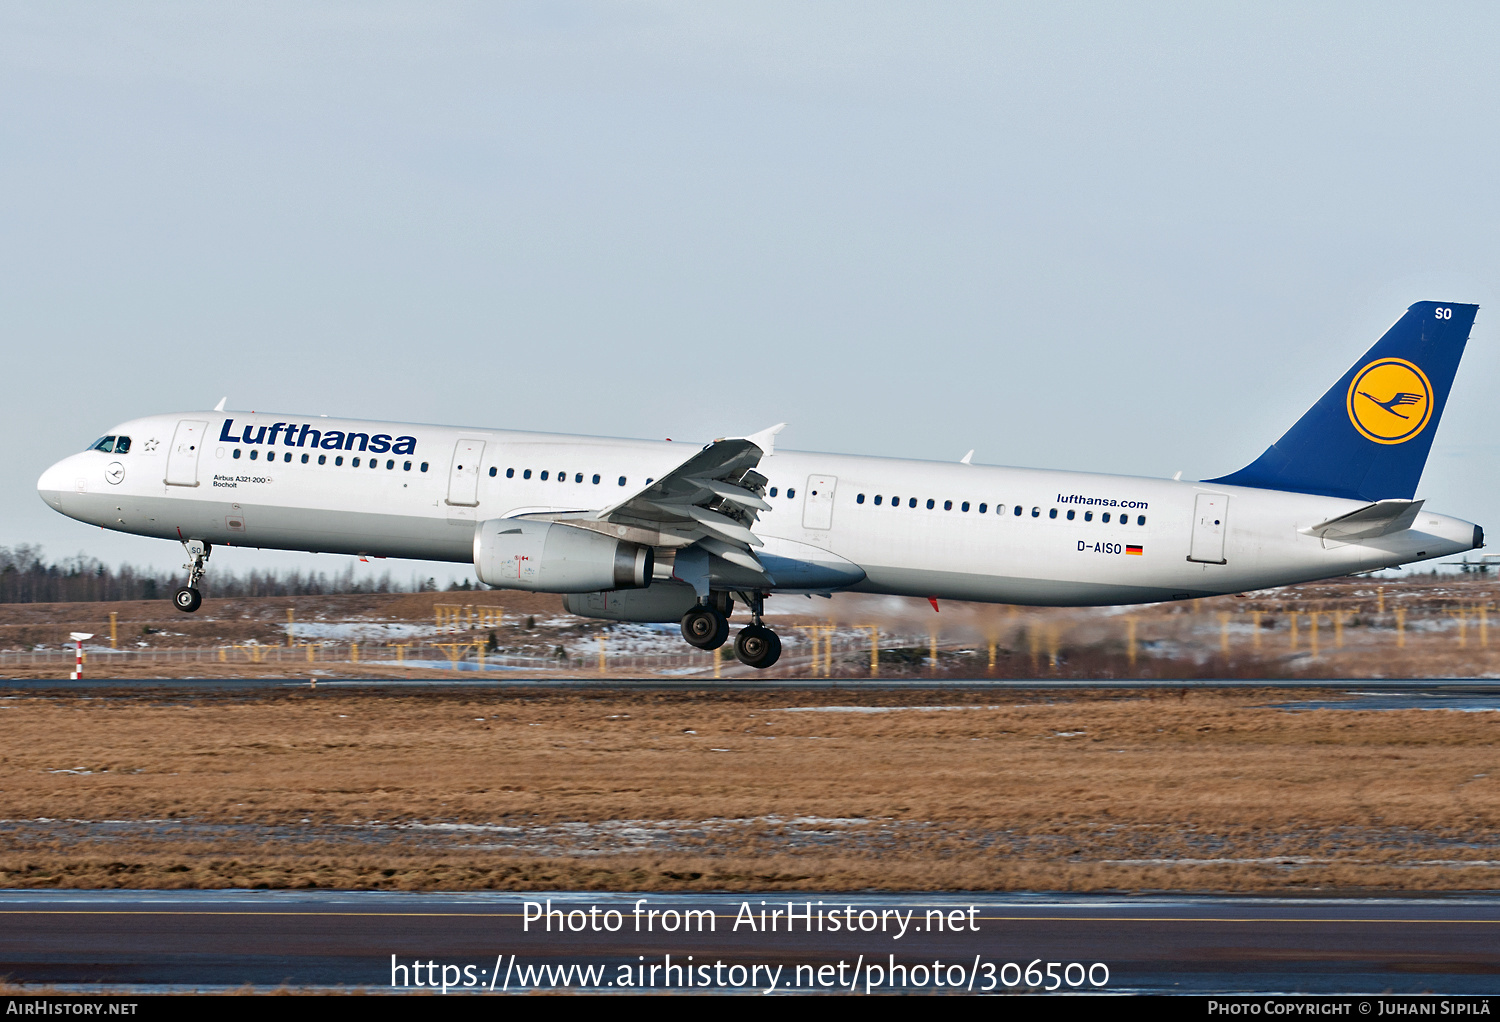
x=546 y=557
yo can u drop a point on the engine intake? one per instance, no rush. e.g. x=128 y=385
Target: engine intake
x=546 y=557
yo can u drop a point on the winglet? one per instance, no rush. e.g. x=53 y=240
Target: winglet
x=766 y=439
x=220 y=406
x=967 y=459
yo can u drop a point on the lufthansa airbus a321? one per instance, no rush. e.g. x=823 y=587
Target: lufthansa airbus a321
x=635 y=530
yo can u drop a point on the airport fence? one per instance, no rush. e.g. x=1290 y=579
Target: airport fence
x=819 y=644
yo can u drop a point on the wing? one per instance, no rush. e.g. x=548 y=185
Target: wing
x=709 y=501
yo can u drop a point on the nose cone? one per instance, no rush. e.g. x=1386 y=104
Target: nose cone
x=54 y=482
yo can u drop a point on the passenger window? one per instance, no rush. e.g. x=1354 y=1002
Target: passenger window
x=911 y=502
x=304 y=459
x=948 y=506
x=1036 y=512
x=510 y=473
x=406 y=466
x=122 y=445
x=622 y=480
x=773 y=491
x=322 y=459
x=930 y=504
x=524 y=475
x=236 y=453
x=578 y=478
x=964 y=506
x=859 y=499
x=1070 y=514
x=1052 y=513
x=985 y=507
x=254 y=454
x=877 y=499
x=340 y=460
x=287 y=456
x=543 y=477
x=790 y=494
x=390 y=464
x=354 y=462
x=1140 y=519
x=1088 y=516
x=424 y=466
x=649 y=480
x=895 y=502
x=374 y=462
x=596 y=478
x=494 y=471
x=1104 y=518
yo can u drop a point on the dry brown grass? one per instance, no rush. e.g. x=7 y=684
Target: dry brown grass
x=1036 y=791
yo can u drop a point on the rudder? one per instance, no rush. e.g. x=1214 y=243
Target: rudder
x=1368 y=437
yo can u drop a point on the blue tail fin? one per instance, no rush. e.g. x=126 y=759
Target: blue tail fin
x=1368 y=437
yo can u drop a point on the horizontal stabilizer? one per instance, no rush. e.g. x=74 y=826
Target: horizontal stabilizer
x=1378 y=519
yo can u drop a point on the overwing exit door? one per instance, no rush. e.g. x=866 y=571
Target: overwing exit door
x=817 y=507
x=463 y=474
x=1210 y=521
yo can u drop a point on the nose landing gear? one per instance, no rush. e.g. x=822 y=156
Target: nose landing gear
x=188 y=598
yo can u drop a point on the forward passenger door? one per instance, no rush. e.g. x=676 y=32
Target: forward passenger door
x=182 y=458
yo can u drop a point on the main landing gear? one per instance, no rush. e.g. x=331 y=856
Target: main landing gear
x=707 y=627
x=188 y=598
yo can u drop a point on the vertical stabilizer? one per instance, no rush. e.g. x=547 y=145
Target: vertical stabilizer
x=1368 y=437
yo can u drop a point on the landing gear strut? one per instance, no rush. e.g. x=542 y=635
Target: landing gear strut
x=188 y=598
x=756 y=645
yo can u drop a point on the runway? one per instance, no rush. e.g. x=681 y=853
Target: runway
x=206 y=940
x=1465 y=686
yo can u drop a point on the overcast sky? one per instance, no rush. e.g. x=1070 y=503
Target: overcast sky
x=1123 y=238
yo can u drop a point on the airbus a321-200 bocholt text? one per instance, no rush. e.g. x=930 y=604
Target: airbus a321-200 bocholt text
x=652 y=531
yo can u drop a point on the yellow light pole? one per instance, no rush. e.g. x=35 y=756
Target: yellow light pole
x=113 y=621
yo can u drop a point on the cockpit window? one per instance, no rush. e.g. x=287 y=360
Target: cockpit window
x=122 y=445
x=104 y=443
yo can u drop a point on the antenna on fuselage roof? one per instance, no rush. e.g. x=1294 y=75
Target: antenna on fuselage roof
x=967 y=459
x=220 y=406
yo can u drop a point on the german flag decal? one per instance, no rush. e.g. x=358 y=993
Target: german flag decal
x=1134 y=550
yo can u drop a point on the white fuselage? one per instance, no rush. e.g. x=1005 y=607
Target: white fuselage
x=279 y=496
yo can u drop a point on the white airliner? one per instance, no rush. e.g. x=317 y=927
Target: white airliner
x=635 y=530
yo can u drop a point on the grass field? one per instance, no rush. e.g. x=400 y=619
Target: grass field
x=1185 y=790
